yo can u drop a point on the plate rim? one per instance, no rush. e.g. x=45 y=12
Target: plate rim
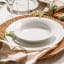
x=58 y=24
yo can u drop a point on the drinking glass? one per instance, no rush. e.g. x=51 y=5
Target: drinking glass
x=10 y=5
x=21 y=6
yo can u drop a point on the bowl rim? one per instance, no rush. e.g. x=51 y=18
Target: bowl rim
x=32 y=18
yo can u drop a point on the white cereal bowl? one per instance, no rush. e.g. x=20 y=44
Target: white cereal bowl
x=33 y=29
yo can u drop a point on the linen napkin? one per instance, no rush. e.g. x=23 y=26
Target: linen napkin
x=59 y=3
x=15 y=54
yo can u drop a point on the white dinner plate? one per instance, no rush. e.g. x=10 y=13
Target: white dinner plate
x=51 y=42
x=24 y=5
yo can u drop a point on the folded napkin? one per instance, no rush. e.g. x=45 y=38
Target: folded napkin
x=12 y=53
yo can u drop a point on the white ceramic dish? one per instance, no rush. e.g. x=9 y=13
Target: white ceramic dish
x=51 y=42
x=24 y=5
x=33 y=29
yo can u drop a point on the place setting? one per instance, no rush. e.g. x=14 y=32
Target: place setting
x=37 y=35
x=35 y=31
x=42 y=26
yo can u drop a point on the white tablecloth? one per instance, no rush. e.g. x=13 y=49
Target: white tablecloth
x=5 y=15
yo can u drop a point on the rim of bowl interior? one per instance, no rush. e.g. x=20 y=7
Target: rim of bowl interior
x=26 y=20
